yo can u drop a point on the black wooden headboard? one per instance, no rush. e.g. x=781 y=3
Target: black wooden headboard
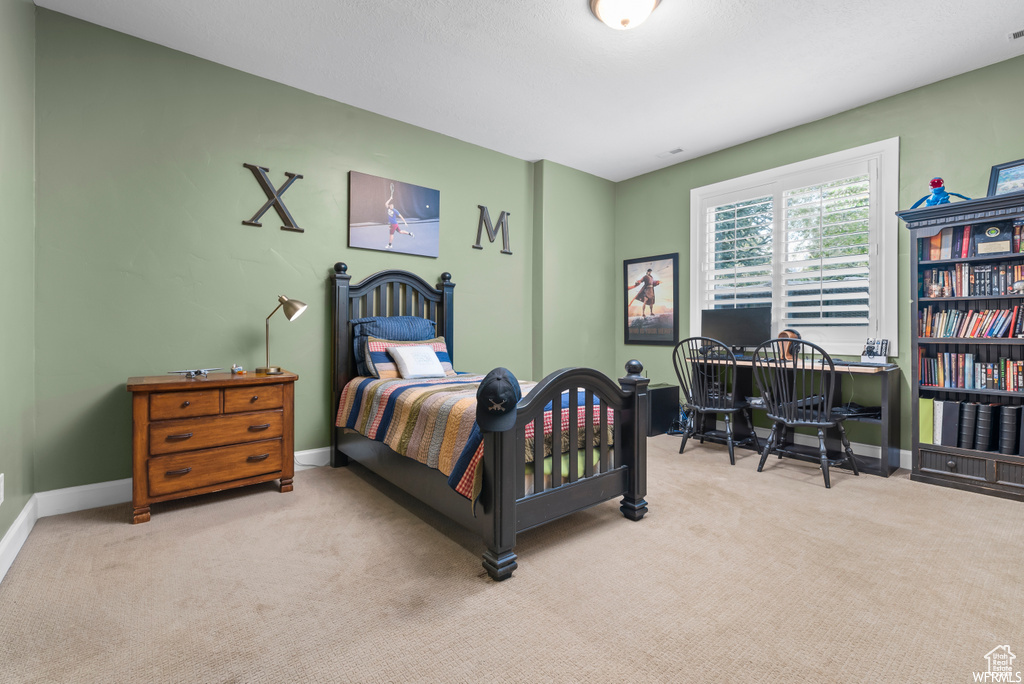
x=386 y=293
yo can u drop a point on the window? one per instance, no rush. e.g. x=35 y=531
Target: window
x=815 y=240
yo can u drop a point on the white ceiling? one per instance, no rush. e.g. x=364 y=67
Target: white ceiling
x=544 y=79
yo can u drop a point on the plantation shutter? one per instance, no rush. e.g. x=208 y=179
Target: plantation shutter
x=816 y=240
x=825 y=259
x=738 y=255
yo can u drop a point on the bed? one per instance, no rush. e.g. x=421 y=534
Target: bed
x=512 y=494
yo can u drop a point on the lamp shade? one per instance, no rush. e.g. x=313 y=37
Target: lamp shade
x=623 y=14
x=292 y=308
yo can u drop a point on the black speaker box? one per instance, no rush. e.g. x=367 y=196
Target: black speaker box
x=663 y=408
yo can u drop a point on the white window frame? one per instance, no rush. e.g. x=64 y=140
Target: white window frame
x=882 y=162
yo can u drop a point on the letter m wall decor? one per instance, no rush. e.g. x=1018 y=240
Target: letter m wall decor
x=492 y=231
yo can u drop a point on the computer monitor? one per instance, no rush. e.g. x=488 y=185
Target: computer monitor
x=737 y=328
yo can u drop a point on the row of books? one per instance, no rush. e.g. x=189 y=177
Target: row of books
x=970 y=280
x=961 y=371
x=959 y=242
x=939 y=322
x=971 y=425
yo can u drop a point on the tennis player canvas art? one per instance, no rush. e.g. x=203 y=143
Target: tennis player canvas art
x=392 y=216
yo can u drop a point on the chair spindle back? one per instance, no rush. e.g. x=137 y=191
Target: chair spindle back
x=706 y=369
x=796 y=378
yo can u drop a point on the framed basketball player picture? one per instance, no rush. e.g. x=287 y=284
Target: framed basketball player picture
x=391 y=216
x=651 y=289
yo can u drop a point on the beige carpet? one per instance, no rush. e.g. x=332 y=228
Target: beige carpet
x=734 y=575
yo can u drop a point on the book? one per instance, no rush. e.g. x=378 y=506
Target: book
x=946 y=243
x=968 y=416
x=934 y=247
x=1009 y=419
x=983 y=427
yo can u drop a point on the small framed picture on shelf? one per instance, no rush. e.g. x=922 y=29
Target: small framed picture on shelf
x=1006 y=178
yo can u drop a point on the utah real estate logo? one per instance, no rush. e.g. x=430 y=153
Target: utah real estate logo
x=1000 y=666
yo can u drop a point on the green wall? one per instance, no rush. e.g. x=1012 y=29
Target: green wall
x=144 y=265
x=17 y=255
x=574 y=257
x=958 y=129
x=141 y=264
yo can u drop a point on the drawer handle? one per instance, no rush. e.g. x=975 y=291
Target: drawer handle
x=181 y=471
x=258 y=458
x=951 y=464
x=255 y=397
x=259 y=427
x=182 y=436
x=186 y=404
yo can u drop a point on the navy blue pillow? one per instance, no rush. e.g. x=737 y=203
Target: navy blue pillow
x=398 y=328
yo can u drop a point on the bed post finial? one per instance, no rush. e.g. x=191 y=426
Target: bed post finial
x=340 y=267
x=634 y=434
x=445 y=319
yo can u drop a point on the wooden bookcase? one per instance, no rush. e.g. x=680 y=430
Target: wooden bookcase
x=986 y=472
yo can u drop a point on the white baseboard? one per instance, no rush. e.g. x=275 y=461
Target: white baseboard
x=84 y=497
x=15 y=538
x=312 y=458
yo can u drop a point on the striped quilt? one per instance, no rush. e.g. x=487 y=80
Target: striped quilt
x=434 y=422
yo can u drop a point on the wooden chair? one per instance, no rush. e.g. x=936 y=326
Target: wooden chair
x=706 y=369
x=796 y=379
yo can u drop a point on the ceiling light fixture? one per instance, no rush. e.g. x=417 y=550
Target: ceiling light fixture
x=623 y=14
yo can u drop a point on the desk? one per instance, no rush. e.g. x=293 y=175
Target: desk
x=889 y=423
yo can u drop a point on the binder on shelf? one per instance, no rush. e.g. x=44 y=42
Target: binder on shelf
x=983 y=427
x=947 y=422
x=968 y=418
x=1009 y=418
x=925 y=409
x=1020 y=440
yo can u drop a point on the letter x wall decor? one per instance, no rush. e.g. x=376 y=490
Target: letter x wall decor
x=273 y=198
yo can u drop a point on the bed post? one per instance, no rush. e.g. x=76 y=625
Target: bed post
x=342 y=348
x=500 y=480
x=446 y=326
x=634 y=434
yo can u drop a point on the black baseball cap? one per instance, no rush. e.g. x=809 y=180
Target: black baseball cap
x=496 y=400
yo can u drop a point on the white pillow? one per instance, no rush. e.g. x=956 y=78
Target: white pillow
x=417 y=361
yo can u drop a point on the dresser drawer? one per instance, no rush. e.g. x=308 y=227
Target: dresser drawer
x=168 y=405
x=171 y=436
x=257 y=398
x=195 y=469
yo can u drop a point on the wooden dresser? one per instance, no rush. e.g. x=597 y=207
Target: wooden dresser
x=197 y=435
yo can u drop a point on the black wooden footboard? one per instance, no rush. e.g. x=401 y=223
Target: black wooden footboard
x=505 y=508
x=621 y=468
